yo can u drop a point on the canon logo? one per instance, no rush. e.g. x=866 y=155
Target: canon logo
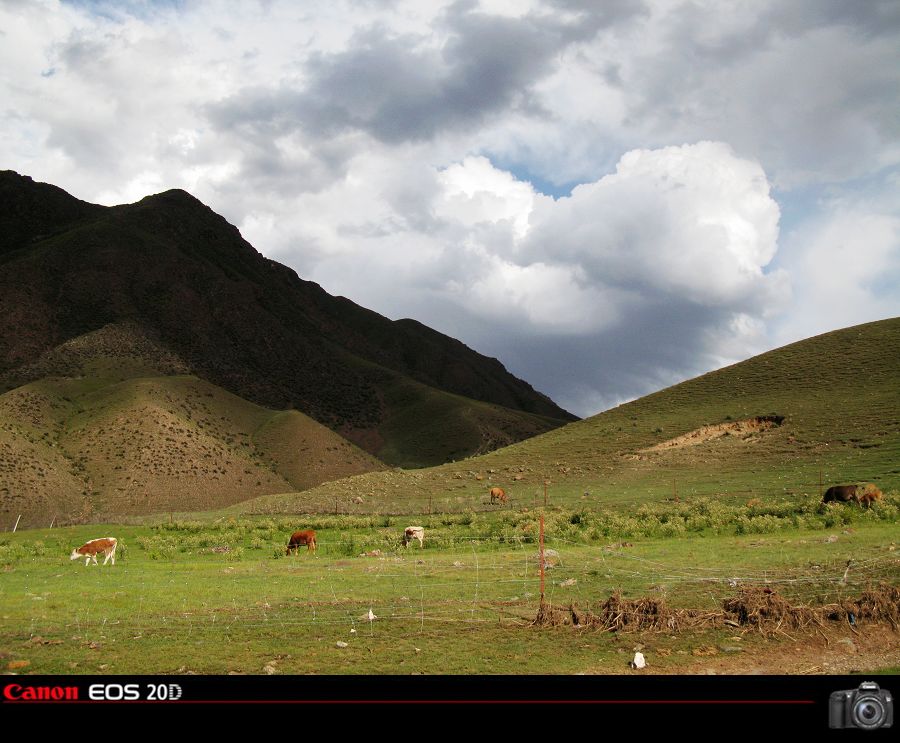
x=19 y=693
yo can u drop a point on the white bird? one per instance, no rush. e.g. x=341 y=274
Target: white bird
x=370 y=616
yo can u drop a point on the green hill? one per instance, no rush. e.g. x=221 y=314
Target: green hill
x=113 y=438
x=825 y=408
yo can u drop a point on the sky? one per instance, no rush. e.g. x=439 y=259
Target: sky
x=610 y=197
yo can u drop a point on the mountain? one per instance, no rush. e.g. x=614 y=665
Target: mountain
x=786 y=423
x=170 y=272
x=95 y=447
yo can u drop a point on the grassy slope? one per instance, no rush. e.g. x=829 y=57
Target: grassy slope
x=424 y=426
x=839 y=394
x=94 y=447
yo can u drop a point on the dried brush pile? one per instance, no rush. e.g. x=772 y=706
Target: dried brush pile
x=620 y=614
x=754 y=607
x=760 y=607
x=879 y=604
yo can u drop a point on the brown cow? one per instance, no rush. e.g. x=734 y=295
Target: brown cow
x=871 y=493
x=90 y=550
x=299 y=538
x=498 y=494
x=843 y=493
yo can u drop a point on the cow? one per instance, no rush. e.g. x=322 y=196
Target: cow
x=843 y=493
x=498 y=494
x=90 y=550
x=299 y=538
x=414 y=532
x=871 y=493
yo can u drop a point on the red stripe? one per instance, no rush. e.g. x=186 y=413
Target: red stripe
x=418 y=701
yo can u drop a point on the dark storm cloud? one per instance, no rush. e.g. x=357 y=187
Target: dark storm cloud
x=657 y=344
x=876 y=17
x=404 y=88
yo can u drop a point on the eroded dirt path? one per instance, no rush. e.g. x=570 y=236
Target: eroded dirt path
x=703 y=434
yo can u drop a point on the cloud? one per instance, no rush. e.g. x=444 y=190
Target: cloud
x=846 y=266
x=693 y=221
x=407 y=87
x=648 y=275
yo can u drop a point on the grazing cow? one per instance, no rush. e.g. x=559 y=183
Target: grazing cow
x=299 y=538
x=843 y=493
x=871 y=493
x=498 y=494
x=414 y=532
x=90 y=550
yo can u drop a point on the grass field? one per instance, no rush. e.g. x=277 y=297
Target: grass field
x=219 y=596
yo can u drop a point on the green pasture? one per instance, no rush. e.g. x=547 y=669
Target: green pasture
x=218 y=595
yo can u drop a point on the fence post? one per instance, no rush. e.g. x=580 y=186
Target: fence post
x=542 y=558
x=546 y=483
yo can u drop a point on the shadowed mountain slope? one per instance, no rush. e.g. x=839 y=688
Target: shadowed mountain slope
x=224 y=313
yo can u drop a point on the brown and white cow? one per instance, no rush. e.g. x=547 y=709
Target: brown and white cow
x=90 y=550
x=414 y=532
x=498 y=494
x=299 y=538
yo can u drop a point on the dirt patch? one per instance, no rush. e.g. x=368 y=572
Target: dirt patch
x=742 y=429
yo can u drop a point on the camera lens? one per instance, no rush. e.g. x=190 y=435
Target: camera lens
x=868 y=712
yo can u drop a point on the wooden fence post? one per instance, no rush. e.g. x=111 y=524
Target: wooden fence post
x=542 y=558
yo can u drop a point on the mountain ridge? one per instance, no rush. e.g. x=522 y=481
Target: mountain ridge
x=234 y=317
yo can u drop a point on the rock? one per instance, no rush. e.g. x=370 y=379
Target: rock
x=731 y=649
x=341 y=644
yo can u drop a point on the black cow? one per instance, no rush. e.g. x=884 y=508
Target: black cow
x=843 y=493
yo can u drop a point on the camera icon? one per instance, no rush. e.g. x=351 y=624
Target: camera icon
x=869 y=707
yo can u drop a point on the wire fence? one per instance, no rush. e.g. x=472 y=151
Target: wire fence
x=486 y=581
